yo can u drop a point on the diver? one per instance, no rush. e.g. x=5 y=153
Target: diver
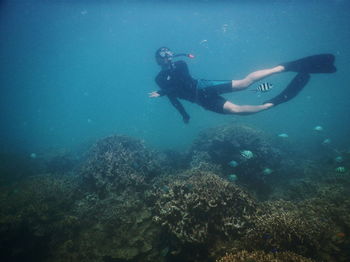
x=176 y=82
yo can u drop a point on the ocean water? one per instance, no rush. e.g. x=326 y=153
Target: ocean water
x=75 y=71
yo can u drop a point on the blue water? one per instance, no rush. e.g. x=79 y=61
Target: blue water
x=72 y=73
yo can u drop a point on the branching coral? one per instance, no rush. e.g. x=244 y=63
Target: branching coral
x=117 y=162
x=118 y=227
x=226 y=143
x=201 y=161
x=282 y=226
x=36 y=209
x=109 y=214
x=203 y=207
x=223 y=145
x=102 y=216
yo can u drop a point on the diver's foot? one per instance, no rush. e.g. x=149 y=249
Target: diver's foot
x=321 y=63
x=280 y=68
x=268 y=105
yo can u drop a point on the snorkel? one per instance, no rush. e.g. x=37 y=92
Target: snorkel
x=166 y=54
x=183 y=54
x=178 y=55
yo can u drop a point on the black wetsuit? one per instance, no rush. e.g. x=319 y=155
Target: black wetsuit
x=178 y=83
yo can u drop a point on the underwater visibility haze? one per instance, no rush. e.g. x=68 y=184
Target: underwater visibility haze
x=92 y=169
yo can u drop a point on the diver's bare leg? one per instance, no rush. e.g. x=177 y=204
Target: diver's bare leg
x=230 y=108
x=255 y=76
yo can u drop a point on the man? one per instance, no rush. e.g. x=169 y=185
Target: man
x=176 y=82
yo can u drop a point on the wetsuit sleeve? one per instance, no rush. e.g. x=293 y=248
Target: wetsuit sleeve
x=176 y=103
x=162 y=92
x=163 y=87
x=182 y=66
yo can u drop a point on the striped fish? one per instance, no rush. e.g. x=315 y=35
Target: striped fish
x=263 y=87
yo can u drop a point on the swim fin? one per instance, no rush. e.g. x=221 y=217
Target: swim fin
x=322 y=63
x=293 y=88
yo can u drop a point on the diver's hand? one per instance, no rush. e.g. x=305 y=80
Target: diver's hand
x=153 y=94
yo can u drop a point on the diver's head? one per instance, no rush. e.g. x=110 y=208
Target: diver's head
x=164 y=56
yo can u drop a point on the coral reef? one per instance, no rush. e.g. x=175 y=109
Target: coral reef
x=115 y=220
x=261 y=256
x=61 y=164
x=118 y=227
x=173 y=162
x=201 y=161
x=221 y=145
x=15 y=167
x=129 y=203
x=203 y=207
x=102 y=215
x=35 y=214
x=117 y=162
x=332 y=206
x=285 y=227
x=226 y=143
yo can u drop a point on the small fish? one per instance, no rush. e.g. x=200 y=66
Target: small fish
x=165 y=189
x=165 y=251
x=224 y=28
x=204 y=43
x=266 y=236
x=274 y=250
x=232 y=177
x=340 y=235
x=247 y=154
x=318 y=128
x=339 y=159
x=233 y=163
x=283 y=135
x=263 y=87
x=340 y=169
x=267 y=171
x=33 y=155
x=327 y=141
